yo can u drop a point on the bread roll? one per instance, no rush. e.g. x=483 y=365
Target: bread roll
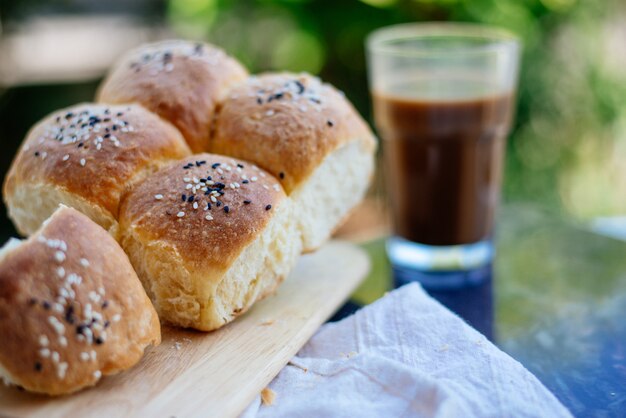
x=71 y=307
x=86 y=156
x=306 y=134
x=179 y=80
x=208 y=236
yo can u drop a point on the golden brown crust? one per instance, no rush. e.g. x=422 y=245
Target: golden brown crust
x=94 y=151
x=287 y=124
x=155 y=208
x=179 y=80
x=46 y=286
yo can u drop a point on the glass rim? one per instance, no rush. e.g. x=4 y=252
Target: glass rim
x=498 y=38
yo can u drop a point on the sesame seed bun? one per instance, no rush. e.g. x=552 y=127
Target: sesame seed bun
x=208 y=236
x=76 y=314
x=180 y=80
x=308 y=135
x=86 y=156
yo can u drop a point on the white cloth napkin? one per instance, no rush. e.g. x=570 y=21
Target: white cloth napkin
x=405 y=355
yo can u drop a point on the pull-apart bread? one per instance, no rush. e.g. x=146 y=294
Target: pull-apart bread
x=208 y=236
x=181 y=81
x=306 y=134
x=86 y=157
x=71 y=307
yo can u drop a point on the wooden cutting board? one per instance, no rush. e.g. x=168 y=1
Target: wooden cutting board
x=194 y=374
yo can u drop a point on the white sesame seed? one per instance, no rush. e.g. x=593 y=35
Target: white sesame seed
x=57 y=325
x=43 y=341
x=63 y=341
x=61 y=272
x=55 y=357
x=101 y=290
x=277 y=187
x=195 y=205
x=59 y=256
x=265 y=187
x=208 y=218
x=44 y=352
x=213 y=199
x=116 y=317
x=84 y=356
x=186 y=179
x=189 y=186
x=169 y=67
x=158 y=196
x=180 y=214
x=255 y=178
x=82 y=162
x=58 y=307
x=97 y=374
x=66 y=157
x=93 y=355
x=84 y=262
x=219 y=170
x=61 y=370
x=269 y=112
x=44 y=155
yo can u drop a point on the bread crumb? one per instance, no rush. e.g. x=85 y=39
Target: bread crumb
x=268 y=396
x=177 y=345
x=268 y=322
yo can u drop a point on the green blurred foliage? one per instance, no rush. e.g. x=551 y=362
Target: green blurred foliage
x=570 y=134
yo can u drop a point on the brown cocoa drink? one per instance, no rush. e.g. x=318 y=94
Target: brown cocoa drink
x=444 y=161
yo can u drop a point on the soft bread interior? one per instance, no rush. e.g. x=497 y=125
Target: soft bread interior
x=207 y=299
x=324 y=200
x=31 y=204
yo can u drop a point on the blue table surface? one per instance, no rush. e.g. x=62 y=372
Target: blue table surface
x=556 y=302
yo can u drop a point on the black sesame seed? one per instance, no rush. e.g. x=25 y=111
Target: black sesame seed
x=107 y=136
x=329 y=123
x=209 y=178
x=226 y=209
x=268 y=207
x=259 y=101
x=219 y=186
x=68 y=115
x=245 y=182
x=183 y=197
x=107 y=111
x=99 y=340
x=105 y=304
x=281 y=175
x=247 y=202
x=301 y=87
x=240 y=165
x=81 y=144
x=106 y=324
x=81 y=329
x=69 y=314
x=36 y=153
x=314 y=100
x=190 y=199
x=218 y=203
x=114 y=127
x=119 y=114
x=208 y=205
x=38 y=366
x=215 y=165
x=46 y=305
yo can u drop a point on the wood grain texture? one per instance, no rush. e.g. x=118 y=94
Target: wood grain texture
x=194 y=374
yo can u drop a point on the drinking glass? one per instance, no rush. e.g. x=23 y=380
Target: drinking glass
x=443 y=97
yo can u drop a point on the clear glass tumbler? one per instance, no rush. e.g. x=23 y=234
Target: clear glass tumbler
x=444 y=98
